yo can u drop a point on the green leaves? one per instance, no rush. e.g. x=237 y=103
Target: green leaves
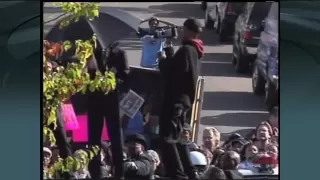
x=63 y=82
x=77 y=10
x=67 y=45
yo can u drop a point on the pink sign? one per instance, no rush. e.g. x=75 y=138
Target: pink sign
x=81 y=134
x=69 y=117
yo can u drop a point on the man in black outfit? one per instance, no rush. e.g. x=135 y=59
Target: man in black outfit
x=180 y=73
x=139 y=164
x=103 y=106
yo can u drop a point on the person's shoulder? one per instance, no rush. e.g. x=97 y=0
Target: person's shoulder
x=186 y=47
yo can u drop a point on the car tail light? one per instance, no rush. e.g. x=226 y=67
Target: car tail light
x=247 y=35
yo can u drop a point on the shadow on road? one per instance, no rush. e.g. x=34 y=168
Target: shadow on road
x=236 y=101
x=219 y=64
x=179 y=10
x=243 y=119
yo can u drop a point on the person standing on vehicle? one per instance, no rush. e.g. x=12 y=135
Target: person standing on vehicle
x=180 y=74
x=103 y=106
x=151 y=45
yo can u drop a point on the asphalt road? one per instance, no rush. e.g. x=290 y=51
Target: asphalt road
x=229 y=104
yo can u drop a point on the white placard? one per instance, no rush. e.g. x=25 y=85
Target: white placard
x=131 y=103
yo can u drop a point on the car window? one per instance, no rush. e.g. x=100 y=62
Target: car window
x=260 y=11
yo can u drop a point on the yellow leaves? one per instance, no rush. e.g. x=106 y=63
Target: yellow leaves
x=52 y=116
x=61 y=82
x=77 y=10
x=67 y=45
x=95 y=13
x=71 y=164
x=48 y=136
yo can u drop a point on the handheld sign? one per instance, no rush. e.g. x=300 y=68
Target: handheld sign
x=81 y=134
x=131 y=103
x=69 y=117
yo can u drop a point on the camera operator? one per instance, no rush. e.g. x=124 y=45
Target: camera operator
x=180 y=74
x=103 y=106
x=154 y=39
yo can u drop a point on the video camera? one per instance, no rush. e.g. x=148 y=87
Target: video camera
x=168 y=32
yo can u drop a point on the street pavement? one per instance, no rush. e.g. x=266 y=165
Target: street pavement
x=229 y=104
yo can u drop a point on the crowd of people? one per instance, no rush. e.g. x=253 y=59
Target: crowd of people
x=167 y=150
x=211 y=159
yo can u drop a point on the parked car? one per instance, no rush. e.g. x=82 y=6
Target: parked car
x=247 y=34
x=265 y=69
x=222 y=16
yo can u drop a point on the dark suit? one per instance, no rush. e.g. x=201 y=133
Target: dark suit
x=106 y=106
x=143 y=168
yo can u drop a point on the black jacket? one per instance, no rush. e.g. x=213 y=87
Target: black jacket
x=143 y=170
x=180 y=73
x=116 y=60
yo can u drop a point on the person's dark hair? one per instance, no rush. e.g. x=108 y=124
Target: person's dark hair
x=243 y=151
x=215 y=173
x=217 y=154
x=193 y=24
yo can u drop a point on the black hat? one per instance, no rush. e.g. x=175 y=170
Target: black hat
x=193 y=24
x=235 y=137
x=137 y=138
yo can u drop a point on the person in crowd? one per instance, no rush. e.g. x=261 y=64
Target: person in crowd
x=230 y=160
x=55 y=154
x=106 y=106
x=180 y=73
x=211 y=141
x=235 y=142
x=207 y=153
x=186 y=137
x=106 y=159
x=46 y=162
x=104 y=168
x=264 y=134
x=273 y=150
x=139 y=163
x=155 y=162
x=248 y=153
x=199 y=161
x=82 y=172
x=214 y=173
